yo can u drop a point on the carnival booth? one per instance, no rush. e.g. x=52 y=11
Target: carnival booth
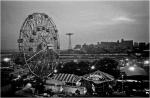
x=71 y=83
x=55 y=86
x=133 y=70
x=100 y=82
x=134 y=80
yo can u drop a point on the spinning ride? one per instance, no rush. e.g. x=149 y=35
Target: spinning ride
x=38 y=41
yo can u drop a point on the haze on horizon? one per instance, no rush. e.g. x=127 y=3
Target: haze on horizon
x=90 y=21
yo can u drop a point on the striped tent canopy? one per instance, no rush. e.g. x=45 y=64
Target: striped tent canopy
x=70 y=78
x=98 y=77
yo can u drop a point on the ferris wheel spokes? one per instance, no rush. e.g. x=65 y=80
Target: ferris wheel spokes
x=38 y=41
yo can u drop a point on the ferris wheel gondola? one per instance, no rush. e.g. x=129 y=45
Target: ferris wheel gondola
x=39 y=42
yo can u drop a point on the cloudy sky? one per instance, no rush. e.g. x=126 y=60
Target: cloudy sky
x=90 y=21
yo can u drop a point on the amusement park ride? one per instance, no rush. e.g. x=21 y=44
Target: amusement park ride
x=39 y=43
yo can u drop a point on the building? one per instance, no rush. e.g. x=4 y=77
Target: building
x=142 y=45
x=122 y=46
x=136 y=45
x=126 y=44
x=77 y=47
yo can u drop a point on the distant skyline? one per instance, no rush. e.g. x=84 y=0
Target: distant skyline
x=90 y=21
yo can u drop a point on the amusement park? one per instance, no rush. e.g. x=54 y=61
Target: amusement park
x=42 y=69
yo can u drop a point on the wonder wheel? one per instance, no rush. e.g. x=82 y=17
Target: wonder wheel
x=38 y=41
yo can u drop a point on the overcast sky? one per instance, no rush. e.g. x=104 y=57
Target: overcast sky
x=90 y=21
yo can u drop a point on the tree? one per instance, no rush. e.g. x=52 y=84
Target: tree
x=83 y=68
x=69 y=68
x=80 y=68
x=19 y=59
x=109 y=66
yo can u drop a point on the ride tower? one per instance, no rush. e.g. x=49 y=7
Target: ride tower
x=69 y=45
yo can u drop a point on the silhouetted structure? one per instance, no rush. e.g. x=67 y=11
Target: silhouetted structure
x=69 y=46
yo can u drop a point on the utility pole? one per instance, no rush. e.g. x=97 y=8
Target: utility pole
x=69 y=46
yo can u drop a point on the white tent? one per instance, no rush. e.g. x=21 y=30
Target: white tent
x=98 y=77
x=133 y=70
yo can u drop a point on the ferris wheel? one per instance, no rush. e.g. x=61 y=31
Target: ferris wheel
x=39 y=42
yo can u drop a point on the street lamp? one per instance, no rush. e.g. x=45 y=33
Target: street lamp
x=146 y=62
x=93 y=67
x=131 y=68
x=55 y=71
x=127 y=64
x=127 y=59
x=6 y=59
